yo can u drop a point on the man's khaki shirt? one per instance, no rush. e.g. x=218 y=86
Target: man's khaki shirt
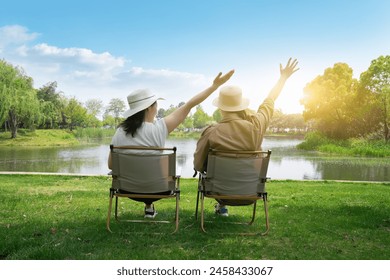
x=243 y=130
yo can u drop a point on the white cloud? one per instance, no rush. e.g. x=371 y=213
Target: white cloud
x=15 y=34
x=84 y=56
x=162 y=77
x=85 y=74
x=165 y=73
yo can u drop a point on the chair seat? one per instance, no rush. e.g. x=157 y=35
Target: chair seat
x=236 y=176
x=147 y=175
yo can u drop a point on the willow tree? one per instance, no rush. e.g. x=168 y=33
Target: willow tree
x=18 y=100
x=52 y=105
x=376 y=81
x=328 y=101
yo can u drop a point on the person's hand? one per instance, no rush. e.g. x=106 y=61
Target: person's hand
x=289 y=69
x=220 y=80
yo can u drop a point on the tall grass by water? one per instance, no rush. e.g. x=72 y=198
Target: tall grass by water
x=352 y=147
x=93 y=134
x=63 y=217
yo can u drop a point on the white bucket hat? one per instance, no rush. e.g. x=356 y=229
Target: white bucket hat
x=230 y=99
x=139 y=100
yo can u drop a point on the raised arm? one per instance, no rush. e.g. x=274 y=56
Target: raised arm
x=285 y=73
x=178 y=116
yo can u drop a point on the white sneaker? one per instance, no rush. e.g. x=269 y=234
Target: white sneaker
x=150 y=213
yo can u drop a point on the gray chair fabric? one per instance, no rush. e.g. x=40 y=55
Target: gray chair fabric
x=236 y=175
x=235 y=178
x=143 y=173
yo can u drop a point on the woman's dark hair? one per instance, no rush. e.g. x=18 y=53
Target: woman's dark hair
x=132 y=123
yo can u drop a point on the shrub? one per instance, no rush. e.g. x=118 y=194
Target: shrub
x=313 y=140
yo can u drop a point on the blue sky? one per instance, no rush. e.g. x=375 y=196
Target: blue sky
x=106 y=49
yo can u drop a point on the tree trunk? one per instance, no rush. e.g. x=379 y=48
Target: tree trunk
x=13 y=123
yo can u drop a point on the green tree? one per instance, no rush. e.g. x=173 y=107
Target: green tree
x=187 y=124
x=295 y=121
x=170 y=110
x=286 y=122
x=160 y=113
x=48 y=114
x=327 y=101
x=376 y=81
x=18 y=99
x=49 y=92
x=76 y=114
x=277 y=121
x=94 y=107
x=52 y=105
x=217 y=116
x=116 y=107
x=108 y=120
x=201 y=119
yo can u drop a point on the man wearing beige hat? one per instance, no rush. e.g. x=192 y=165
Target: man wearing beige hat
x=240 y=128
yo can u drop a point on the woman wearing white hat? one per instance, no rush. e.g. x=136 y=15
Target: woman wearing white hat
x=240 y=128
x=141 y=129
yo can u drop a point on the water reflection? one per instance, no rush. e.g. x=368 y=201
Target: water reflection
x=79 y=160
x=286 y=161
x=353 y=169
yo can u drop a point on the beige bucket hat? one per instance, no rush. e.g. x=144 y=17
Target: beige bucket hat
x=139 y=100
x=230 y=99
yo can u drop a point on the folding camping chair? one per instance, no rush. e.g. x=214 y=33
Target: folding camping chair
x=234 y=176
x=143 y=171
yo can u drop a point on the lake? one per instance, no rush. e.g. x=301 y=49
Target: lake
x=286 y=161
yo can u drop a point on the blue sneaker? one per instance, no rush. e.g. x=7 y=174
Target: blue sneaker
x=221 y=210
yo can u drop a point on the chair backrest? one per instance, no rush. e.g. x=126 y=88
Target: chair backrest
x=151 y=172
x=237 y=173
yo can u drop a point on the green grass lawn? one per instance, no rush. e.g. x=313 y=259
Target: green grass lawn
x=39 y=138
x=63 y=217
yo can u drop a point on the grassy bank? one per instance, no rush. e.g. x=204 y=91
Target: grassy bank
x=63 y=217
x=350 y=147
x=56 y=137
x=40 y=137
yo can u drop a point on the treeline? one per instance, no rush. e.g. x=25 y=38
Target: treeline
x=341 y=107
x=335 y=104
x=23 y=106
x=280 y=123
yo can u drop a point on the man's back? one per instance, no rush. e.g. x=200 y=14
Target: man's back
x=242 y=130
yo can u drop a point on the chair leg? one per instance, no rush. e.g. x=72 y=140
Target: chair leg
x=109 y=213
x=266 y=215
x=177 y=214
x=253 y=213
x=197 y=205
x=202 y=212
x=116 y=208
